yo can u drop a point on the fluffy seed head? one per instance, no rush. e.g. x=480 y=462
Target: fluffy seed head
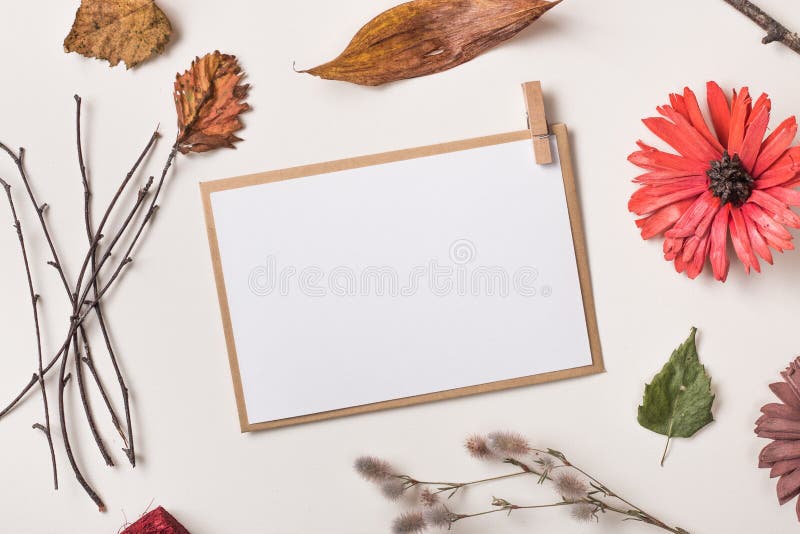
x=428 y=498
x=507 y=444
x=439 y=516
x=392 y=488
x=584 y=513
x=570 y=486
x=409 y=523
x=373 y=469
x=478 y=447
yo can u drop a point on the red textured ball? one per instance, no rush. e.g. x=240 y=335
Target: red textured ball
x=159 y=521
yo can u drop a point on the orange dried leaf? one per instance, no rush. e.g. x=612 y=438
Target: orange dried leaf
x=428 y=36
x=132 y=31
x=209 y=98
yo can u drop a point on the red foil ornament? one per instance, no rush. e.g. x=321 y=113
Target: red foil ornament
x=159 y=521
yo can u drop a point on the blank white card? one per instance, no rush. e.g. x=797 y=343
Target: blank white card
x=391 y=281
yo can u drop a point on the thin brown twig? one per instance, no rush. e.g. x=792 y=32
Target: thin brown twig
x=45 y=428
x=62 y=383
x=89 y=360
x=775 y=30
x=85 y=403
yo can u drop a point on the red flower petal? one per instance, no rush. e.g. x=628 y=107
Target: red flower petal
x=662 y=219
x=760 y=246
x=741 y=242
x=649 y=199
x=652 y=158
x=790 y=197
x=763 y=102
x=688 y=223
x=775 y=145
x=697 y=119
x=720 y=112
x=680 y=264
x=705 y=224
x=699 y=261
x=779 y=211
x=672 y=247
x=678 y=102
x=739 y=111
x=707 y=151
x=719 y=244
x=664 y=177
x=753 y=139
x=775 y=234
x=677 y=138
x=784 y=170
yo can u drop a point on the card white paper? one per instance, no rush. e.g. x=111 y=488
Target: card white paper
x=391 y=281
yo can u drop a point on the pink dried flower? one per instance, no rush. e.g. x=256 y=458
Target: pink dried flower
x=428 y=498
x=478 y=447
x=507 y=444
x=409 y=523
x=393 y=488
x=439 y=516
x=570 y=486
x=584 y=513
x=373 y=469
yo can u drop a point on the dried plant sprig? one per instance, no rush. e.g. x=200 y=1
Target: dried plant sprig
x=217 y=97
x=583 y=494
x=44 y=427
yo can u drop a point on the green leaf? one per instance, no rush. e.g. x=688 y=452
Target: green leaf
x=677 y=403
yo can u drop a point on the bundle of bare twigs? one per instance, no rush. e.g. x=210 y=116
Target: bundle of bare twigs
x=209 y=98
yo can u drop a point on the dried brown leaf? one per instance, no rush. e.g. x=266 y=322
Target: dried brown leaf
x=132 y=31
x=428 y=36
x=209 y=98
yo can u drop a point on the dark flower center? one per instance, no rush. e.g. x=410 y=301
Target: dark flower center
x=730 y=182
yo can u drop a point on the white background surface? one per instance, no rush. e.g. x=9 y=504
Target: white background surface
x=604 y=66
x=304 y=347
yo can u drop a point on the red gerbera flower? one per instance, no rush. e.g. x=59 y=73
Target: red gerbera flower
x=732 y=180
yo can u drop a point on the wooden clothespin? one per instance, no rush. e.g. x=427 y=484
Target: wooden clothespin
x=537 y=122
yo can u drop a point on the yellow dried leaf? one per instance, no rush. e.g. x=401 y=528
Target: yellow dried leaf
x=428 y=36
x=132 y=31
x=209 y=99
